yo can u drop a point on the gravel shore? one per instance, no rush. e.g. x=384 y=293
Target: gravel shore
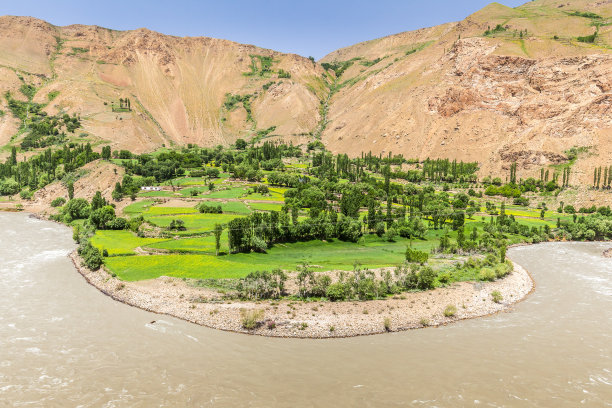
x=608 y=253
x=284 y=318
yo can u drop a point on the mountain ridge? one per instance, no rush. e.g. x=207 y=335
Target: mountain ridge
x=503 y=85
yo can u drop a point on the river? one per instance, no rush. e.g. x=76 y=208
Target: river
x=63 y=343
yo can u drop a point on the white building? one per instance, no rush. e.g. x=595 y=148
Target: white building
x=150 y=188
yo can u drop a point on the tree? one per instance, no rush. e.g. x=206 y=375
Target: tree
x=117 y=192
x=241 y=144
x=218 y=230
x=460 y=237
x=102 y=218
x=70 y=190
x=389 y=216
x=106 y=153
x=97 y=201
x=77 y=208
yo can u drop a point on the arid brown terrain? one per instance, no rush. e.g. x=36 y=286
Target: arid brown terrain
x=504 y=85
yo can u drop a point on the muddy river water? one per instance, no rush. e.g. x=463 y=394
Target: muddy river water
x=65 y=344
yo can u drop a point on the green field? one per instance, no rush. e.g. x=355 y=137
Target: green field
x=156 y=194
x=274 y=195
x=231 y=193
x=186 y=192
x=138 y=207
x=371 y=251
x=120 y=242
x=188 y=181
x=266 y=206
x=232 y=207
x=154 y=211
x=195 y=223
x=192 y=245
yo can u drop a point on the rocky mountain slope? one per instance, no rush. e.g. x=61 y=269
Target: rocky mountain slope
x=503 y=85
x=527 y=90
x=178 y=87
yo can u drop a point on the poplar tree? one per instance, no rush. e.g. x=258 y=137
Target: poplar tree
x=218 y=231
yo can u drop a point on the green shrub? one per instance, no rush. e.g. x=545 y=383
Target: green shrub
x=450 y=310
x=92 y=258
x=262 y=285
x=502 y=270
x=487 y=274
x=497 y=296
x=58 y=202
x=426 y=278
x=444 y=278
x=9 y=187
x=424 y=322
x=589 y=39
x=413 y=255
x=283 y=74
x=336 y=292
x=52 y=95
x=209 y=209
x=28 y=90
x=391 y=235
x=26 y=194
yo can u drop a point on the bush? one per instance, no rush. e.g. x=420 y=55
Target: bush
x=77 y=208
x=58 y=202
x=177 y=225
x=210 y=209
x=262 y=285
x=387 y=324
x=522 y=201
x=391 y=235
x=426 y=278
x=26 y=194
x=413 y=255
x=9 y=187
x=92 y=258
x=487 y=274
x=251 y=318
x=450 y=311
x=502 y=270
x=336 y=292
x=258 y=244
x=497 y=296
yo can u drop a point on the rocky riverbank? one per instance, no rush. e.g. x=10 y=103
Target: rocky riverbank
x=285 y=318
x=608 y=253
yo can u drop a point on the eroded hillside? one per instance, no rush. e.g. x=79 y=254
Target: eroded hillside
x=181 y=90
x=504 y=85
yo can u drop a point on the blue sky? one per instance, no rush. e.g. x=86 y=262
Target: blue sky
x=314 y=27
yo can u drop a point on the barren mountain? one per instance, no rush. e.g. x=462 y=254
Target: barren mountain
x=503 y=85
x=177 y=86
